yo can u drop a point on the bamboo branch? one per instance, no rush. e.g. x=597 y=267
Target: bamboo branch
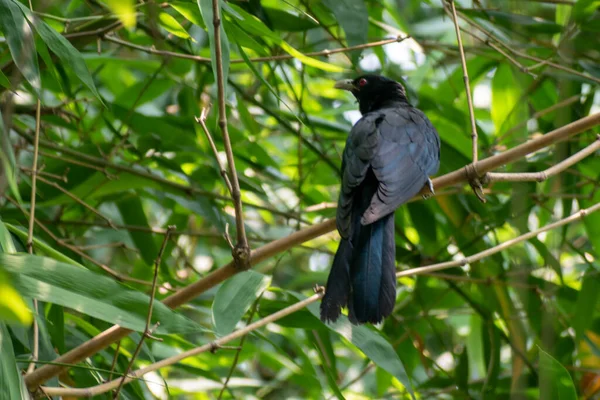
x=463 y=61
x=34 y=177
x=262 y=253
x=241 y=252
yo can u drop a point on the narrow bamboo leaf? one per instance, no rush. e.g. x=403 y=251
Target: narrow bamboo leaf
x=89 y=293
x=124 y=10
x=12 y=307
x=207 y=15
x=4 y=82
x=7 y=162
x=170 y=24
x=555 y=381
x=132 y=212
x=64 y=50
x=6 y=243
x=19 y=37
x=42 y=248
x=284 y=21
x=189 y=11
x=11 y=382
x=353 y=16
x=235 y=297
x=586 y=303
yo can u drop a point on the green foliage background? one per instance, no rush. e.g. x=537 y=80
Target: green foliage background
x=120 y=84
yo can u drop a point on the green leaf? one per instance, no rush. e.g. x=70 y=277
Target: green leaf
x=124 y=10
x=207 y=15
x=284 y=21
x=64 y=50
x=189 y=11
x=42 y=248
x=507 y=107
x=132 y=212
x=353 y=16
x=586 y=303
x=89 y=293
x=584 y=9
x=19 y=37
x=7 y=163
x=6 y=242
x=234 y=298
x=555 y=380
x=4 y=80
x=170 y=24
x=11 y=382
x=12 y=307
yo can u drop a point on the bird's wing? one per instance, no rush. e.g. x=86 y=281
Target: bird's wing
x=408 y=152
x=361 y=147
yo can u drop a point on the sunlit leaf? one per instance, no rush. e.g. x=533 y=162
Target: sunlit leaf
x=234 y=298
x=555 y=381
x=170 y=24
x=19 y=37
x=124 y=10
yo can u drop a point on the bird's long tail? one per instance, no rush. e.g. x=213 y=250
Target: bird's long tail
x=363 y=276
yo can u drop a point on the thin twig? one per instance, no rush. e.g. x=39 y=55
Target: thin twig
x=78 y=200
x=496 y=249
x=114 y=361
x=202 y=121
x=543 y=175
x=241 y=254
x=281 y=57
x=466 y=79
x=262 y=253
x=34 y=177
x=147 y=329
x=239 y=350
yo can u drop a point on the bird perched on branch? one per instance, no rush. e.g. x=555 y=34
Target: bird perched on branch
x=389 y=155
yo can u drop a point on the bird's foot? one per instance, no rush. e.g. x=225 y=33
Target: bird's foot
x=431 y=191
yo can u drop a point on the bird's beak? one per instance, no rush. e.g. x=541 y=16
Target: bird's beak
x=345 y=84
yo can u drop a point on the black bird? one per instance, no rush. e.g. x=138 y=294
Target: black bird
x=389 y=155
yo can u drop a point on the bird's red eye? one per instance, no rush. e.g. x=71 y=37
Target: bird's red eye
x=362 y=82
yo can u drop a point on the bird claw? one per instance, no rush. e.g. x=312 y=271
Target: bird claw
x=431 y=191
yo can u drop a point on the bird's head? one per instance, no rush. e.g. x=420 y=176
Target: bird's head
x=373 y=91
